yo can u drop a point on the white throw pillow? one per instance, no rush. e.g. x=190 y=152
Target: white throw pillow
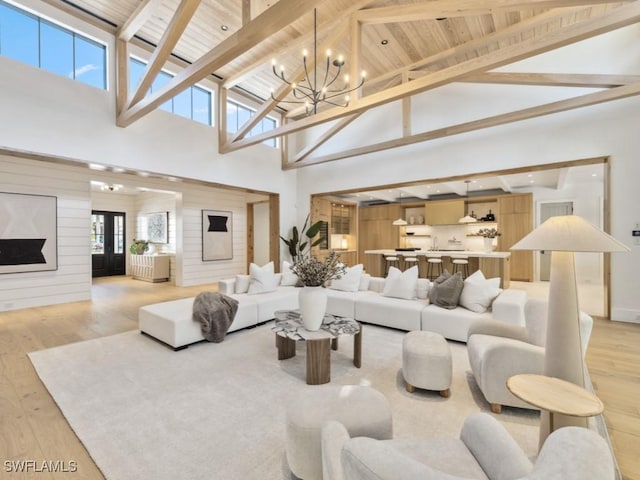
x=242 y=283
x=422 y=288
x=401 y=284
x=365 y=280
x=262 y=279
x=350 y=281
x=478 y=293
x=289 y=279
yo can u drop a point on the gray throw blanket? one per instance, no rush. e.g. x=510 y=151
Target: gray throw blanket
x=215 y=312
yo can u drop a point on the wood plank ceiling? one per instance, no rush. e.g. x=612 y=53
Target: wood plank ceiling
x=405 y=46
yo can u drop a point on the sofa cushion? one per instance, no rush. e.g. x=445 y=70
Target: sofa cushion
x=446 y=289
x=401 y=284
x=388 y=311
x=478 y=293
x=263 y=279
x=289 y=279
x=450 y=323
x=365 y=280
x=350 y=281
x=242 y=283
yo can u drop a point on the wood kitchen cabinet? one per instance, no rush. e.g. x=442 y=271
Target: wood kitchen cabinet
x=444 y=212
x=376 y=231
x=516 y=221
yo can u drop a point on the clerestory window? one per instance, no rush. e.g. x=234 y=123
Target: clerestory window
x=193 y=103
x=41 y=43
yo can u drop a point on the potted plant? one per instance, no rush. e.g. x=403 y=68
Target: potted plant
x=300 y=246
x=314 y=274
x=489 y=234
x=138 y=247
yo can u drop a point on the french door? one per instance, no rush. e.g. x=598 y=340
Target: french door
x=107 y=243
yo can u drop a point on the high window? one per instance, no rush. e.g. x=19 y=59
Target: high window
x=193 y=103
x=238 y=114
x=43 y=44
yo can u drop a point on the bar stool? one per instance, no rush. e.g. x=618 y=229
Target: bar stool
x=460 y=264
x=391 y=261
x=410 y=261
x=434 y=266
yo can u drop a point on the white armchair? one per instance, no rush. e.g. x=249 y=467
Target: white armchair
x=485 y=450
x=498 y=350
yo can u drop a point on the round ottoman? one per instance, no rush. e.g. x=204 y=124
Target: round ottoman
x=426 y=362
x=364 y=411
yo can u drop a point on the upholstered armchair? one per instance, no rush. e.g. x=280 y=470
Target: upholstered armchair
x=498 y=350
x=485 y=450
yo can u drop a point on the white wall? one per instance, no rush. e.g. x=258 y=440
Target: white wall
x=72 y=280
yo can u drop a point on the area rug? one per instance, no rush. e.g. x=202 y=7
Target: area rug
x=216 y=411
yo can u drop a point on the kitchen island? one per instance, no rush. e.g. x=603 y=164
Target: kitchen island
x=492 y=264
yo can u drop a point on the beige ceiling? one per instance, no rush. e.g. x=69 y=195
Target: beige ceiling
x=428 y=43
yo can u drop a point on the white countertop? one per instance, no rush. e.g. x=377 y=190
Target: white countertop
x=444 y=253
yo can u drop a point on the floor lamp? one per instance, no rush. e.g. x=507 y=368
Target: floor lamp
x=562 y=236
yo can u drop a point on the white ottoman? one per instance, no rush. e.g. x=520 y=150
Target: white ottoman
x=426 y=362
x=172 y=323
x=364 y=411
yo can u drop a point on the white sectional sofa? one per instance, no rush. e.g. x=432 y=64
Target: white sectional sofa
x=171 y=322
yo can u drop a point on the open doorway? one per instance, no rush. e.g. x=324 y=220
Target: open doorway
x=263 y=227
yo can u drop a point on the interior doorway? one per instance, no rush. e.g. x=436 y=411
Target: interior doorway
x=548 y=210
x=107 y=243
x=263 y=232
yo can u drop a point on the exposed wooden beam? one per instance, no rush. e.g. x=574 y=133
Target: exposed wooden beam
x=222 y=116
x=138 y=18
x=122 y=74
x=486 y=42
x=313 y=146
x=406 y=110
x=266 y=24
x=333 y=39
x=294 y=45
x=458 y=8
x=172 y=34
x=587 y=80
x=246 y=11
x=618 y=18
x=595 y=98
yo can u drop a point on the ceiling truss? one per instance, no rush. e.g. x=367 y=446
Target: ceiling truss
x=462 y=63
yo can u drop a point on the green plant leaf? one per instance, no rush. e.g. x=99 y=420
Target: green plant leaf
x=314 y=229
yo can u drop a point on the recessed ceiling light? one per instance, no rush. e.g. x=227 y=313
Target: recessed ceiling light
x=474 y=181
x=532 y=181
x=437 y=191
x=224 y=28
x=530 y=175
x=384 y=41
x=95 y=166
x=118 y=169
x=143 y=174
x=594 y=174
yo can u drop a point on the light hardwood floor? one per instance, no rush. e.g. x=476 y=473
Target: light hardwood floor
x=32 y=427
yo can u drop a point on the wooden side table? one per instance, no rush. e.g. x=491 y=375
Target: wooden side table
x=555 y=396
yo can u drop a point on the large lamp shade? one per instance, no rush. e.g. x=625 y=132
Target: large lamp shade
x=564 y=358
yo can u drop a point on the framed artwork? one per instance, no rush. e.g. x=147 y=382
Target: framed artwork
x=28 y=233
x=158 y=227
x=217 y=235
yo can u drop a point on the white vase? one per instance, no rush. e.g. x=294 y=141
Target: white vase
x=488 y=244
x=313 y=305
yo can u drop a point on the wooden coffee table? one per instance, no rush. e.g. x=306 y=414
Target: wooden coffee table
x=289 y=330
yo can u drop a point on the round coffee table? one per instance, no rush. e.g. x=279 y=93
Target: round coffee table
x=289 y=330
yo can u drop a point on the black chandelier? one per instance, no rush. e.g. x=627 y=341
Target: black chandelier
x=311 y=93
